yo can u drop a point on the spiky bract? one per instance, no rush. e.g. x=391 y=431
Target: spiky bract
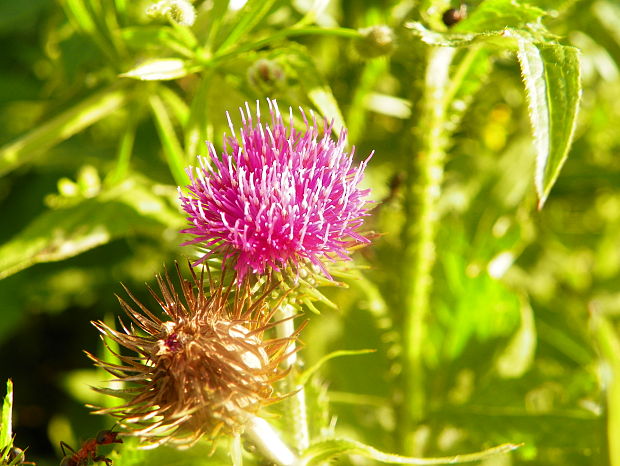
x=200 y=369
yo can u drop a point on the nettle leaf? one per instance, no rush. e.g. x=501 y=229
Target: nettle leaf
x=552 y=82
x=551 y=74
x=441 y=39
x=331 y=448
x=127 y=209
x=495 y=15
x=491 y=21
x=502 y=39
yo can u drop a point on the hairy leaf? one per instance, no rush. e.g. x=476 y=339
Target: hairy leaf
x=331 y=448
x=495 y=15
x=551 y=76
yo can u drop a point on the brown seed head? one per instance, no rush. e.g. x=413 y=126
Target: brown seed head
x=201 y=369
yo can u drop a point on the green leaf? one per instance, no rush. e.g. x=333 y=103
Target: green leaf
x=78 y=12
x=323 y=98
x=6 y=426
x=213 y=21
x=126 y=209
x=96 y=21
x=519 y=354
x=495 y=15
x=61 y=127
x=141 y=38
x=198 y=122
x=469 y=76
x=316 y=87
x=161 y=69
x=331 y=448
x=372 y=72
x=552 y=82
x=305 y=375
x=175 y=156
x=439 y=39
x=503 y=39
x=124 y=152
x=246 y=19
x=175 y=103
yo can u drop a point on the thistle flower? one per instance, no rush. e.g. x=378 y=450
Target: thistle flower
x=202 y=369
x=278 y=197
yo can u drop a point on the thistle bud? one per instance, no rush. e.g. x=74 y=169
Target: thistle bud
x=266 y=76
x=180 y=11
x=203 y=368
x=376 y=41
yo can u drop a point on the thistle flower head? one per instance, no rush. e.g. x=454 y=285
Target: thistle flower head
x=202 y=369
x=277 y=197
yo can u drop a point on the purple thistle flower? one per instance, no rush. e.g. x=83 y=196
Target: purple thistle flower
x=278 y=198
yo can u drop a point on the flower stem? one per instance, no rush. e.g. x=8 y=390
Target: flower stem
x=297 y=402
x=269 y=442
x=283 y=34
x=422 y=195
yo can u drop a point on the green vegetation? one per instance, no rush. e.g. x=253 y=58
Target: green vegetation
x=490 y=296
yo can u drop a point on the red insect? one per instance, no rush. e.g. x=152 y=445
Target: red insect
x=88 y=451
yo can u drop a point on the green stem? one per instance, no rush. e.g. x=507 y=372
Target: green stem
x=125 y=150
x=422 y=195
x=175 y=156
x=269 y=442
x=296 y=403
x=356 y=118
x=292 y=32
x=609 y=345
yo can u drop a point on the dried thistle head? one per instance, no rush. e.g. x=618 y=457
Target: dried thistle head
x=201 y=369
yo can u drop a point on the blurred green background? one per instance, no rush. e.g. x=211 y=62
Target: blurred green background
x=521 y=339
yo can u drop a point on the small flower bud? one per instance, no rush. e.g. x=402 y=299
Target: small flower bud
x=180 y=11
x=376 y=41
x=266 y=76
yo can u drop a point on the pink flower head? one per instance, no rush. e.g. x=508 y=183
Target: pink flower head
x=279 y=197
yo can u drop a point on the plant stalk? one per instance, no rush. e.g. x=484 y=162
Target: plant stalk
x=297 y=402
x=422 y=196
x=269 y=442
